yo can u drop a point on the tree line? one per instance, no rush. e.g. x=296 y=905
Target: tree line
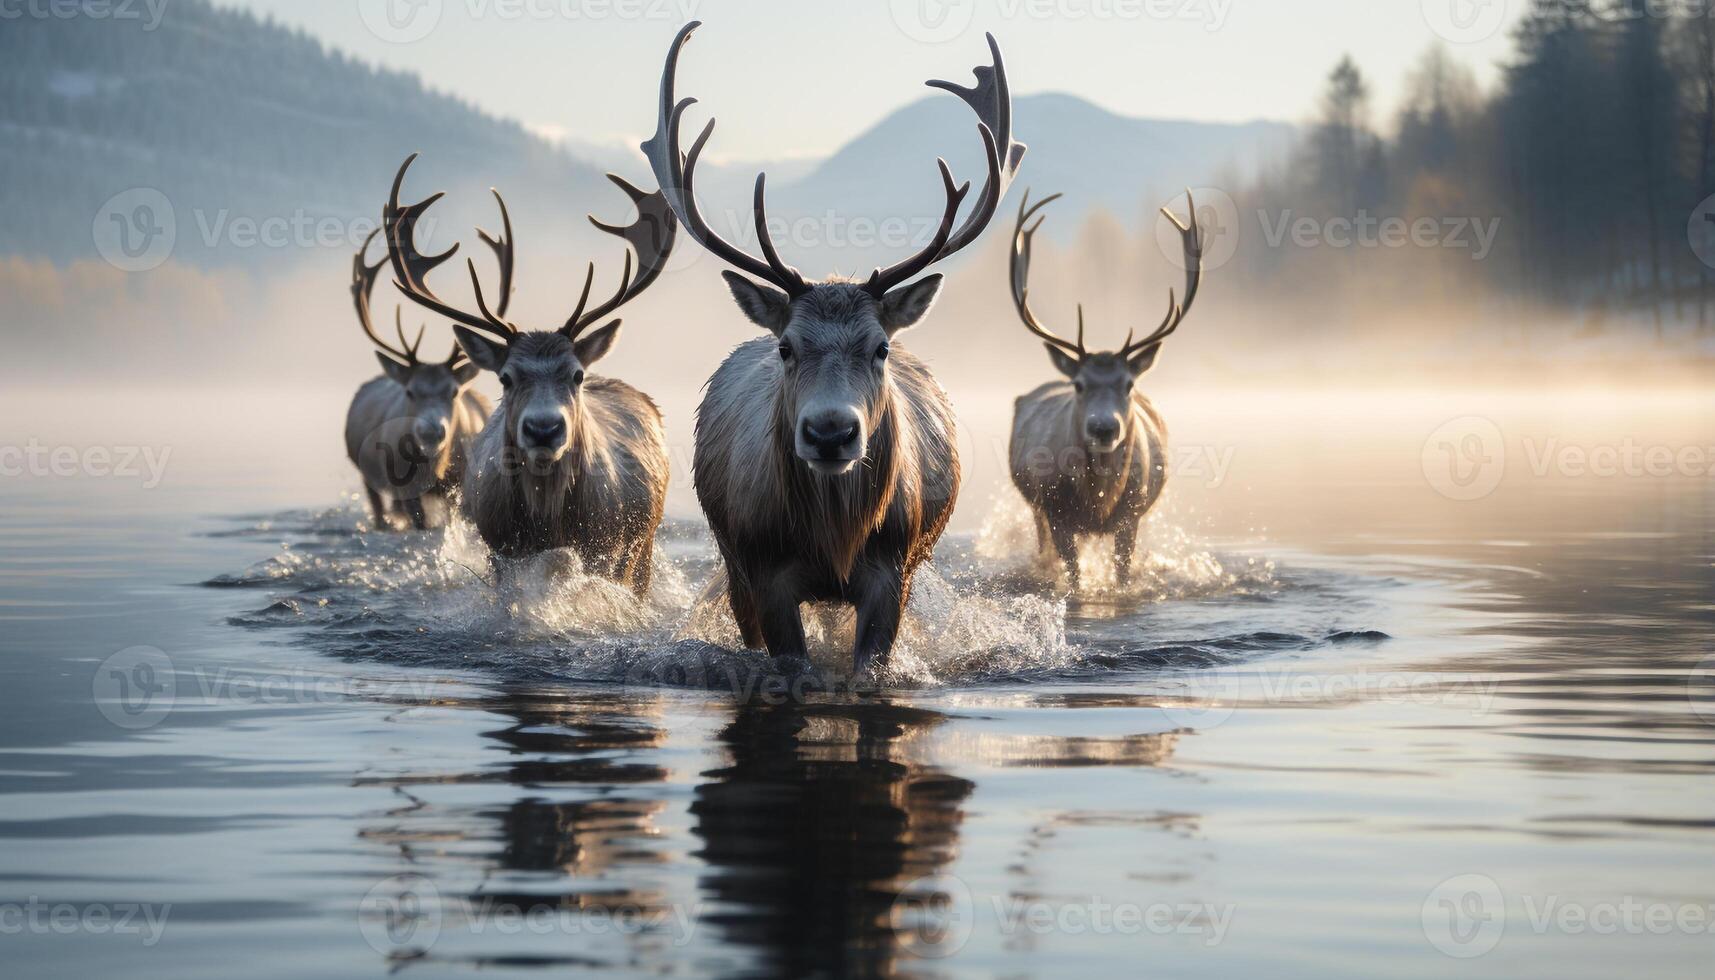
x=1589 y=158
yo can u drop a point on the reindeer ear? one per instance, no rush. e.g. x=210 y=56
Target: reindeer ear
x=484 y=353
x=1143 y=360
x=398 y=372
x=769 y=309
x=464 y=372
x=905 y=306
x=1063 y=362
x=595 y=347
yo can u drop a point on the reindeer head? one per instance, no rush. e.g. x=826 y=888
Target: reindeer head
x=542 y=372
x=835 y=336
x=431 y=387
x=1102 y=382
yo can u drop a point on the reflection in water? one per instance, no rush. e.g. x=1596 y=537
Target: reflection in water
x=815 y=824
x=547 y=867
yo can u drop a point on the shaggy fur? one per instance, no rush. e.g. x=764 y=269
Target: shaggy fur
x=603 y=499
x=791 y=535
x=1075 y=491
x=378 y=442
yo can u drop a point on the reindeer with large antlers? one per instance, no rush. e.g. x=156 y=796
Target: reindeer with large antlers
x=569 y=460
x=409 y=430
x=1089 y=453
x=826 y=458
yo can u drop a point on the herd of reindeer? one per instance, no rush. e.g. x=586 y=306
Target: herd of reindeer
x=825 y=459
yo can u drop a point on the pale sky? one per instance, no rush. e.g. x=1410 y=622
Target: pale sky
x=801 y=77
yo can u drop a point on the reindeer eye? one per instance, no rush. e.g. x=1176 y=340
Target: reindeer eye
x=578 y=378
x=506 y=381
x=882 y=351
x=785 y=351
x=1078 y=385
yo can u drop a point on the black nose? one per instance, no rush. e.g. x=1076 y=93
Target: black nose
x=830 y=433
x=543 y=433
x=1104 y=430
x=438 y=431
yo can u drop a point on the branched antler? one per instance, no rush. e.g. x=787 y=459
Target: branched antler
x=1192 y=241
x=1023 y=239
x=991 y=99
x=411 y=267
x=363 y=278
x=650 y=237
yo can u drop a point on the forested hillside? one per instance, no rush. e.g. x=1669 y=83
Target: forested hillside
x=231 y=118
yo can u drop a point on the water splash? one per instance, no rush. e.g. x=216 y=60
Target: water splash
x=1169 y=563
x=985 y=610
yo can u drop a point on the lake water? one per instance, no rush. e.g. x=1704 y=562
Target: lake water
x=1410 y=684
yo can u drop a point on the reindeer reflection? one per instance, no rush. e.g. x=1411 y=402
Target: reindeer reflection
x=815 y=825
x=539 y=852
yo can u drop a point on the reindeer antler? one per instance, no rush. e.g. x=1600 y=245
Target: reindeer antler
x=410 y=266
x=363 y=278
x=990 y=97
x=650 y=236
x=1023 y=238
x=1191 y=237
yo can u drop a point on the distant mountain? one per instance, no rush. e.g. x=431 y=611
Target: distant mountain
x=239 y=123
x=841 y=211
x=250 y=129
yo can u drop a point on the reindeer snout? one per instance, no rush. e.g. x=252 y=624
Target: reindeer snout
x=543 y=433
x=1104 y=431
x=432 y=432
x=833 y=435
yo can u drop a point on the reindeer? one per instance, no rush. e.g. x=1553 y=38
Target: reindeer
x=826 y=457
x=408 y=431
x=1089 y=454
x=569 y=460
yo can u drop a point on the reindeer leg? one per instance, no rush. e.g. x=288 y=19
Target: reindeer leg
x=642 y=567
x=880 y=602
x=378 y=509
x=1066 y=546
x=419 y=516
x=743 y=603
x=1125 y=540
x=505 y=577
x=1044 y=534
x=782 y=624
